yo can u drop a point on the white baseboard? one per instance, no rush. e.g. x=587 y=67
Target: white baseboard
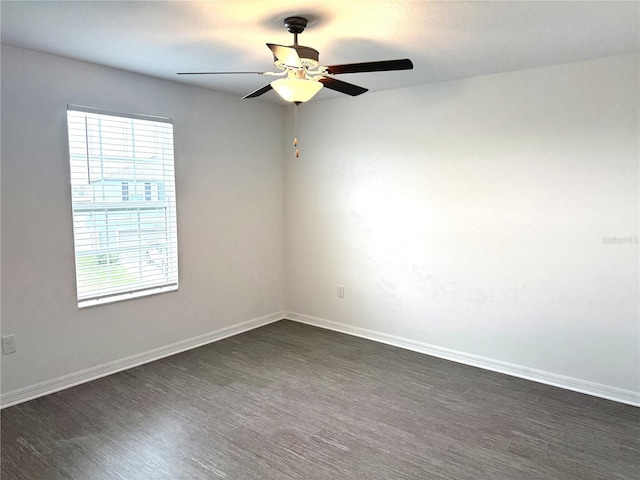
x=583 y=386
x=50 y=386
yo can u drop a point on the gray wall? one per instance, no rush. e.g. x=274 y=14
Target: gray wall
x=229 y=181
x=469 y=216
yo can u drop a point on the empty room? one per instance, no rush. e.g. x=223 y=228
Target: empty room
x=320 y=240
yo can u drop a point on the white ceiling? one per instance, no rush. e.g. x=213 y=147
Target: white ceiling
x=445 y=40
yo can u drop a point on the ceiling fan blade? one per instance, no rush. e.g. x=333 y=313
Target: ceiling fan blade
x=222 y=73
x=287 y=55
x=381 y=66
x=342 y=87
x=259 y=92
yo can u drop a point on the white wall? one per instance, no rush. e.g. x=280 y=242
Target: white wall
x=229 y=180
x=469 y=215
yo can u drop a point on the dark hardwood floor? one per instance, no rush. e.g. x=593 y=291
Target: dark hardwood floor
x=289 y=401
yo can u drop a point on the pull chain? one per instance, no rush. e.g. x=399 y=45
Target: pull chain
x=295 y=138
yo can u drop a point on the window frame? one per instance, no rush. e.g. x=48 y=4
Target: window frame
x=166 y=209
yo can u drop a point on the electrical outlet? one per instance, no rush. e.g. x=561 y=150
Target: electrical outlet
x=8 y=344
x=340 y=291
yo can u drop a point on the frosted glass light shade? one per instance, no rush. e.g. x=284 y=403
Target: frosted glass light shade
x=296 y=89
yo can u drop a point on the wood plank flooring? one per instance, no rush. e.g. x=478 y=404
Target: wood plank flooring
x=290 y=401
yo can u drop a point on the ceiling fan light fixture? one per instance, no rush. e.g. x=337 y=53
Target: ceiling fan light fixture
x=297 y=90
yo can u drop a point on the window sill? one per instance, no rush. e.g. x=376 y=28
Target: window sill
x=94 y=302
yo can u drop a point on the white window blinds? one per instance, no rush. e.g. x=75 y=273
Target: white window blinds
x=124 y=205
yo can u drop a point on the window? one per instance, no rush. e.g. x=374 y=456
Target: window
x=125 y=241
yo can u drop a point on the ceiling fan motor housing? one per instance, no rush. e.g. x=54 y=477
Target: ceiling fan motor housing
x=308 y=57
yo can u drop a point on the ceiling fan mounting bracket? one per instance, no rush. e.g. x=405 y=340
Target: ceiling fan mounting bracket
x=295 y=25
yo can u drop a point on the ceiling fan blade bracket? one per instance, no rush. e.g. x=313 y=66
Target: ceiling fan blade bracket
x=287 y=56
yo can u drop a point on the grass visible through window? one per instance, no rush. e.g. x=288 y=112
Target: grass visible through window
x=103 y=269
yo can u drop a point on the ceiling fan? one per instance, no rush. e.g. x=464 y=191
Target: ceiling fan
x=301 y=74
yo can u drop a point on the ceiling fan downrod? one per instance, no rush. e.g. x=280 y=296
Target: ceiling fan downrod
x=295 y=25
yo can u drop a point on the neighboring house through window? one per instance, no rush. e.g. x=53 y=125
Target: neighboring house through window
x=125 y=240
